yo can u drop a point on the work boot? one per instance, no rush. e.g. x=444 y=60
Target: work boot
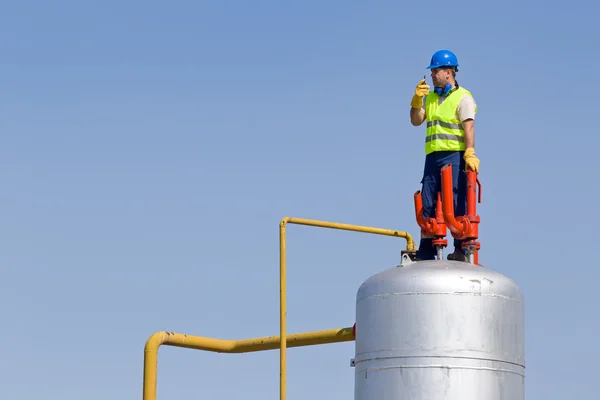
x=458 y=256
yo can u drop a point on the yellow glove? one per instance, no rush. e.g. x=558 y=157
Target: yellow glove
x=470 y=159
x=421 y=90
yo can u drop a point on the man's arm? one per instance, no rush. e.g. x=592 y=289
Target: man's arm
x=466 y=114
x=417 y=116
x=470 y=159
x=469 y=127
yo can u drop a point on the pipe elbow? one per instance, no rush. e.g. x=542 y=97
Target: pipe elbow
x=155 y=341
x=460 y=227
x=424 y=223
x=284 y=221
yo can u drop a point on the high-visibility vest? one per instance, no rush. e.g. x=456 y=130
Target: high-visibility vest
x=444 y=130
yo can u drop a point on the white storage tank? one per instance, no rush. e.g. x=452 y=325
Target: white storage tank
x=439 y=330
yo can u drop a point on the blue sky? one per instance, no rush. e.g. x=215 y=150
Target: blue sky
x=149 y=152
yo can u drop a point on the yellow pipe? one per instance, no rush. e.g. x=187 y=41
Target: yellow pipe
x=229 y=346
x=410 y=245
x=282 y=309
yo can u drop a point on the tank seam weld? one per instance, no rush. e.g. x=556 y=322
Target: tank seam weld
x=358 y=360
x=477 y=294
x=442 y=367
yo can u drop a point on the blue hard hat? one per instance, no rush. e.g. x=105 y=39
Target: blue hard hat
x=443 y=58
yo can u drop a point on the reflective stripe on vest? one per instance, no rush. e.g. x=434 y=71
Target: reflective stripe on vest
x=444 y=130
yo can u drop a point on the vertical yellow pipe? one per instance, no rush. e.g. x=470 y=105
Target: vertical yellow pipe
x=151 y=364
x=150 y=372
x=282 y=310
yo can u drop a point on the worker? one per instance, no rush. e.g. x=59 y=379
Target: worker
x=450 y=139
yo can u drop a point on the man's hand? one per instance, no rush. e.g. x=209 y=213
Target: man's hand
x=471 y=160
x=421 y=90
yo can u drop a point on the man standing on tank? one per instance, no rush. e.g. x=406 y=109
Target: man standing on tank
x=450 y=139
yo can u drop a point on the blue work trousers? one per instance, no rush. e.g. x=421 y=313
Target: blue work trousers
x=432 y=184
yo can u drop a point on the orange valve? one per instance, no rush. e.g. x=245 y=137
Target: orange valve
x=465 y=227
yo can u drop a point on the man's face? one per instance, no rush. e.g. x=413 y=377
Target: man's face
x=441 y=76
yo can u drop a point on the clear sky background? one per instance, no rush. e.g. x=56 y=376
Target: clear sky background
x=149 y=152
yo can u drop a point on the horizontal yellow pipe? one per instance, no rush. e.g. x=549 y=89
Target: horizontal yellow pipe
x=410 y=244
x=228 y=346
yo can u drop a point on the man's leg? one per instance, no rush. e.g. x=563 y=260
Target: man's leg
x=431 y=185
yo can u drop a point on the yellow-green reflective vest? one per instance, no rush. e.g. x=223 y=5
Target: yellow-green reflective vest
x=444 y=130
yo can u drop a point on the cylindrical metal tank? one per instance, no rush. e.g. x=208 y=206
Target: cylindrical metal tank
x=439 y=330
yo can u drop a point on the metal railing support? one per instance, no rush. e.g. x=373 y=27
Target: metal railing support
x=410 y=245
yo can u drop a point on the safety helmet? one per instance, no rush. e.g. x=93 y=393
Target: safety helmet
x=443 y=58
